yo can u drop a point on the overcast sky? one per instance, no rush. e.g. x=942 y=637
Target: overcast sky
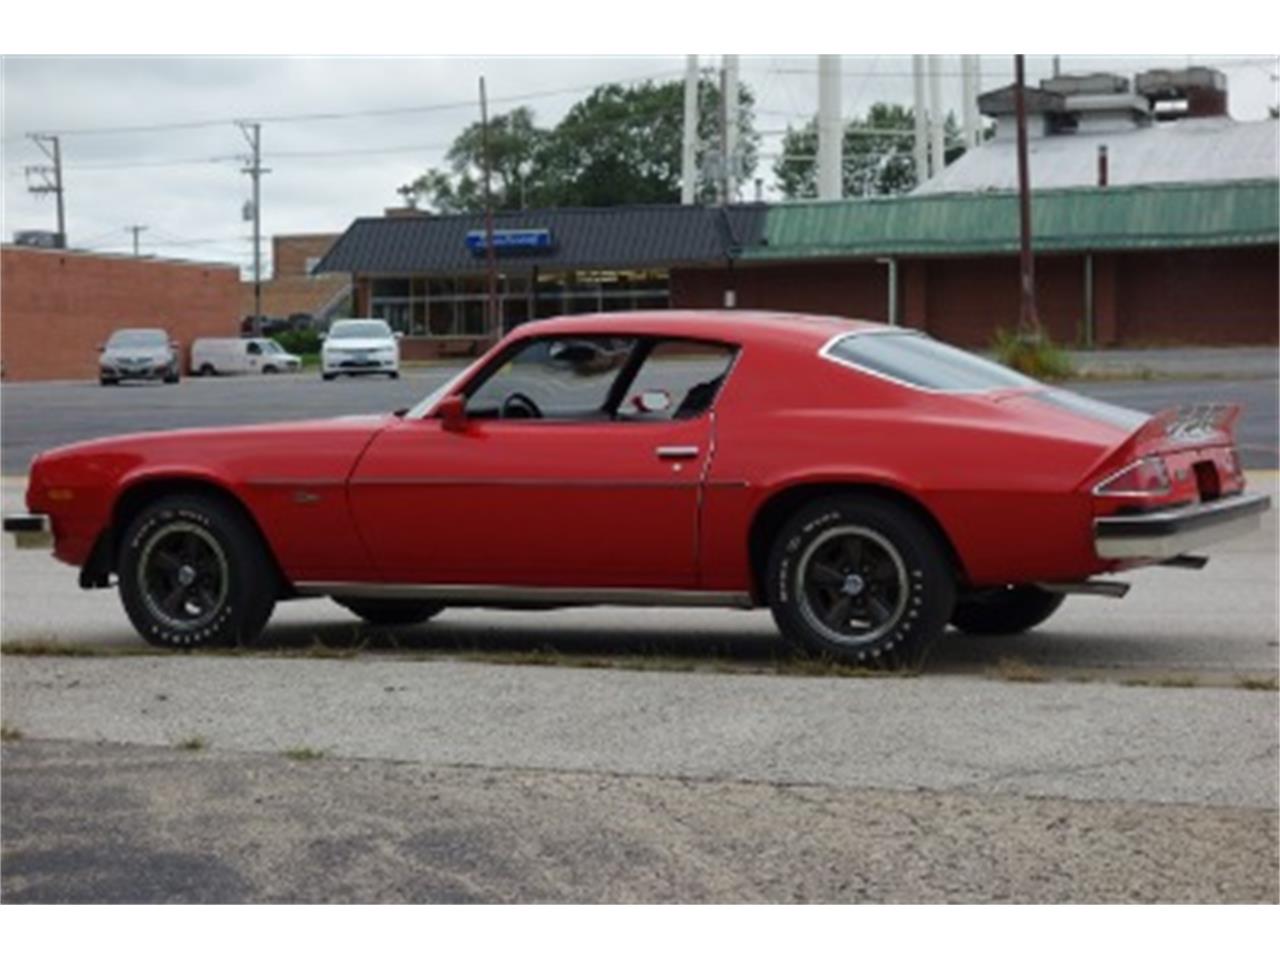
x=185 y=184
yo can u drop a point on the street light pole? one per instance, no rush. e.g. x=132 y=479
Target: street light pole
x=1029 y=319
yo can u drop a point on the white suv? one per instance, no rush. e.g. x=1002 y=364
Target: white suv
x=360 y=346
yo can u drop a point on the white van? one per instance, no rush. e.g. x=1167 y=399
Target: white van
x=214 y=355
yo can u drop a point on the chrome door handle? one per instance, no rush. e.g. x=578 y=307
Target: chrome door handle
x=677 y=453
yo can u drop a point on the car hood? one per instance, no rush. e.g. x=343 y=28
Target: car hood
x=234 y=457
x=359 y=343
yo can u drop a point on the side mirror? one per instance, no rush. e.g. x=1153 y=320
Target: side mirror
x=453 y=413
x=399 y=334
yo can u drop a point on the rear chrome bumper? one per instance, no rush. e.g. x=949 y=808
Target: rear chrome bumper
x=1170 y=533
x=31 y=531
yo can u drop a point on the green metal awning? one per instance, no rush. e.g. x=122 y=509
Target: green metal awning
x=1151 y=216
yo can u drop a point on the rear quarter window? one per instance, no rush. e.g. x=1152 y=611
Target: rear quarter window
x=918 y=361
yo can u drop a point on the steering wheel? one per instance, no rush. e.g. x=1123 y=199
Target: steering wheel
x=517 y=406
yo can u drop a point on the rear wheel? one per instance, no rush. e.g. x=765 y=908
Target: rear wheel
x=328 y=376
x=206 y=370
x=193 y=572
x=1012 y=609
x=387 y=613
x=862 y=580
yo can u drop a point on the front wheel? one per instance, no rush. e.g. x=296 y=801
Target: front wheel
x=389 y=613
x=862 y=580
x=328 y=376
x=1004 y=610
x=194 y=572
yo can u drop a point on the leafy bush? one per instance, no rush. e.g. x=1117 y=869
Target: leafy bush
x=1037 y=357
x=301 y=342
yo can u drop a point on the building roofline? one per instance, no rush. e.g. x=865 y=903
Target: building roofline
x=109 y=255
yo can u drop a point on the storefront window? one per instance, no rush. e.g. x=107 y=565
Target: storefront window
x=455 y=306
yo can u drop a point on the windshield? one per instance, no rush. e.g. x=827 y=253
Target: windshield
x=138 y=338
x=371 y=329
x=920 y=361
x=270 y=346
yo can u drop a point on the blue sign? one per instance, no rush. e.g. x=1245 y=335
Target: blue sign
x=534 y=238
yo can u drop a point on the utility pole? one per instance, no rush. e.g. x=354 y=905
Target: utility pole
x=136 y=229
x=1029 y=319
x=830 y=132
x=253 y=134
x=490 y=255
x=50 y=175
x=689 y=151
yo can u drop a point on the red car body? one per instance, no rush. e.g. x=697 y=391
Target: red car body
x=491 y=509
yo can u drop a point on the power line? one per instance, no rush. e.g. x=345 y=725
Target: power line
x=347 y=115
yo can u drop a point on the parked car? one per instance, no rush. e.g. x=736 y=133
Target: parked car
x=215 y=355
x=868 y=484
x=360 y=346
x=138 y=354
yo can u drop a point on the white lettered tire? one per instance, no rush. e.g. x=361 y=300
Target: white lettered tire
x=861 y=579
x=194 y=571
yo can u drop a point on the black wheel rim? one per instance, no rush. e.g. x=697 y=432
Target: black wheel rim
x=852 y=585
x=182 y=575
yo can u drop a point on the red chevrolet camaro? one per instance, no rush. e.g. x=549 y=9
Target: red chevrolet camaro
x=868 y=484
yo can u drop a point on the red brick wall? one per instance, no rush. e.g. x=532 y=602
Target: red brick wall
x=57 y=306
x=289 y=252
x=1198 y=296
x=1227 y=296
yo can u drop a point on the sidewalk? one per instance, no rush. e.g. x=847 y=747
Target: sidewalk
x=1236 y=363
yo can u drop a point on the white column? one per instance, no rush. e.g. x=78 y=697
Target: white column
x=937 y=154
x=689 y=154
x=830 y=134
x=921 y=141
x=969 y=92
x=731 y=127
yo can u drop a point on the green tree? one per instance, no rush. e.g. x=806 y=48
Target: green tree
x=623 y=145
x=514 y=146
x=875 y=163
x=619 y=145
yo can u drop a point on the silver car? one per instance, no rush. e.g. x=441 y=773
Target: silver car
x=138 y=354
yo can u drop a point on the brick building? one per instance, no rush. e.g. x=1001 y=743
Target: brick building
x=58 y=306
x=294 y=289
x=1139 y=265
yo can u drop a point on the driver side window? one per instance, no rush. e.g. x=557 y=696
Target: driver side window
x=558 y=378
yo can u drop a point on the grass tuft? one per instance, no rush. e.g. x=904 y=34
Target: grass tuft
x=1257 y=683
x=1035 y=356
x=304 y=754
x=192 y=743
x=9 y=734
x=1015 y=670
x=1176 y=681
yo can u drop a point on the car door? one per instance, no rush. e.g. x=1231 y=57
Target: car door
x=250 y=355
x=601 y=490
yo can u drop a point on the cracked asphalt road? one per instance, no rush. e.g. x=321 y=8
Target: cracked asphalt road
x=441 y=781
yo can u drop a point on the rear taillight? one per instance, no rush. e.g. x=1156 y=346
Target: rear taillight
x=1147 y=477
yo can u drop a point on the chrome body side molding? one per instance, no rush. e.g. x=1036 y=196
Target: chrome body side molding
x=485 y=594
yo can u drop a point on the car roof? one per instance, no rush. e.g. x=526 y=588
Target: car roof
x=736 y=326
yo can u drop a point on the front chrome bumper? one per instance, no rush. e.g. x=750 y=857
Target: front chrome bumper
x=31 y=531
x=1170 y=533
